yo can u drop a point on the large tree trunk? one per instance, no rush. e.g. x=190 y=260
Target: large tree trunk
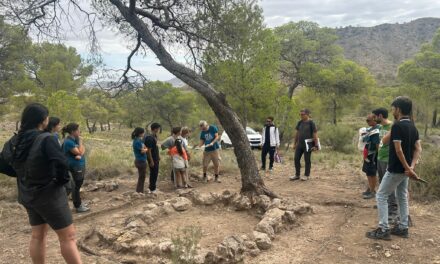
x=88 y=126
x=292 y=88
x=434 y=118
x=252 y=183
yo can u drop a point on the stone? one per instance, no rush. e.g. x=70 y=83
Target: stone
x=100 y=185
x=231 y=249
x=395 y=247
x=123 y=243
x=167 y=208
x=137 y=195
x=226 y=196
x=276 y=203
x=262 y=240
x=301 y=208
x=203 y=198
x=166 y=246
x=254 y=252
x=266 y=228
x=430 y=241
x=181 y=204
x=108 y=234
x=96 y=200
x=136 y=223
x=273 y=218
x=388 y=254
x=149 y=217
x=150 y=206
x=111 y=186
x=250 y=244
x=92 y=188
x=144 y=247
x=263 y=201
x=210 y=258
x=289 y=217
x=340 y=249
x=241 y=203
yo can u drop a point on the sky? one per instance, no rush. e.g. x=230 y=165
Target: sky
x=331 y=13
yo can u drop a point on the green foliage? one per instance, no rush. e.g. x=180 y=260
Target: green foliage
x=338 y=138
x=65 y=106
x=185 y=245
x=244 y=67
x=301 y=43
x=338 y=84
x=428 y=169
x=422 y=77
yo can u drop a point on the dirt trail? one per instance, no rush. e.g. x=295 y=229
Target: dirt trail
x=334 y=233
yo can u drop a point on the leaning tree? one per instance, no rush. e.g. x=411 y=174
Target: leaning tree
x=158 y=26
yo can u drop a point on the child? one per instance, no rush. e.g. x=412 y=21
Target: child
x=180 y=164
x=140 y=154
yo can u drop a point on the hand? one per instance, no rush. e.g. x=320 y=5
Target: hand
x=411 y=173
x=294 y=146
x=151 y=164
x=78 y=157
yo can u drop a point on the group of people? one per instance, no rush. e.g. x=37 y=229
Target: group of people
x=42 y=162
x=391 y=151
x=146 y=153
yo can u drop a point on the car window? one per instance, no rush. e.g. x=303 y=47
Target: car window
x=250 y=131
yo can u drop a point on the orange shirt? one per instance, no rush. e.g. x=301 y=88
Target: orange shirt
x=173 y=151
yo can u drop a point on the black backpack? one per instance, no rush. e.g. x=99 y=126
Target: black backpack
x=6 y=157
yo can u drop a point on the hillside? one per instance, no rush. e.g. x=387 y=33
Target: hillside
x=384 y=47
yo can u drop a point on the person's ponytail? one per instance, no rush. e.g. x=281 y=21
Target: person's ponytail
x=69 y=129
x=137 y=132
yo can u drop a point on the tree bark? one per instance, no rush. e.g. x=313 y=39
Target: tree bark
x=108 y=125
x=252 y=183
x=335 y=105
x=102 y=126
x=292 y=88
x=434 y=118
x=88 y=126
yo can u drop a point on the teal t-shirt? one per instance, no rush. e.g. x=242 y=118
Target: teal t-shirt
x=208 y=136
x=384 y=149
x=137 y=148
x=69 y=144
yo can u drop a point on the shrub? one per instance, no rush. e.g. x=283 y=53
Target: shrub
x=429 y=170
x=338 y=138
x=185 y=245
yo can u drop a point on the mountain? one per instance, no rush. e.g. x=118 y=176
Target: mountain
x=176 y=82
x=384 y=47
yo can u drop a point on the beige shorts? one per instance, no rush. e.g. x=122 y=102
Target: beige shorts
x=213 y=156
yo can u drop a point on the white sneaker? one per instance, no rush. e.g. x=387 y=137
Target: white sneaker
x=304 y=178
x=293 y=178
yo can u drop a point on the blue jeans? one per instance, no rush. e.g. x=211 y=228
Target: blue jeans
x=398 y=183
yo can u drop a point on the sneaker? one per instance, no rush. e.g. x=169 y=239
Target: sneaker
x=205 y=179
x=305 y=178
x=369 y=195
x=217 y=180
x=263 y=168
x=82 y=209
x=294 y=178
x=379 y=234
x=366 y=192
x=270 y=170
x=401 y=232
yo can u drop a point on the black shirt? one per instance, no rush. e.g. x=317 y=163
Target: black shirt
x=267 y=135
x=305 y=130
x=405 y=132
x=151 y=143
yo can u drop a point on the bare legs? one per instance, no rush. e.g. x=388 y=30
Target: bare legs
x=67 y=238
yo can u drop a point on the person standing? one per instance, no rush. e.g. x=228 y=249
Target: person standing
x=383 y=156
x=369 y=166
x=42 y=170
x=74 y=150
x=140 y=155
x=153 y=156
x=180 y=164
x=54 y=127
x=305 y=130
x=169 y=142
x=270 y=143
x=209 y=138
x=404 y=152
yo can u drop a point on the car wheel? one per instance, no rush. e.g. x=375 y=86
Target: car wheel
x=223 y=145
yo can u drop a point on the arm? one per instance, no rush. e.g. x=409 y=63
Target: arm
x=216 y=137
x=277 y=138
x=295 y=142
x=58 y=169
x=201 y=143
x=386 y=138
x=399 y=152
x=417 y=153
x=81 y=147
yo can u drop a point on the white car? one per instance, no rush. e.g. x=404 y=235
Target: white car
x=253 y=136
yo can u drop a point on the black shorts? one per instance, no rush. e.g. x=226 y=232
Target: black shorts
x=51 y=208
x=370 y=168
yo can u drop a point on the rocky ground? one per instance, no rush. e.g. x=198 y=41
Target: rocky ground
x=124 y=227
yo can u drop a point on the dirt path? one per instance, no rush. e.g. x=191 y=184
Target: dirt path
x=334 y=233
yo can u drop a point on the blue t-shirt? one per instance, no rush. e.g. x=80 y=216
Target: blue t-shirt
x=209 y=136
x=137 y=148
x=69 y=144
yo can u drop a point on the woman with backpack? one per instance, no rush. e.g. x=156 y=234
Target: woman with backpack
x=41 y=171
x=140 y=155
x=54 y=127
x=74 y=150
